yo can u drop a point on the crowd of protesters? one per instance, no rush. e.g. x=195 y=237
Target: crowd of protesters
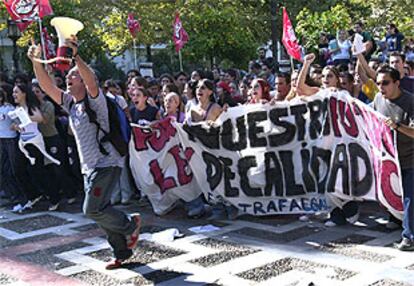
x=383 y=77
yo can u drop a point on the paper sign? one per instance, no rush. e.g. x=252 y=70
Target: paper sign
x=359 y=47
x=22 y=115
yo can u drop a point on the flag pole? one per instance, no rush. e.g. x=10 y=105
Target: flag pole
x=181 y=60
x=135 y=54
x=292 y=66
x=42 y=40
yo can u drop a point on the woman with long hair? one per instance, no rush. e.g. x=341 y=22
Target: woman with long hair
x=330 y=78
x=206 y=108
x=259 y=91
x=348 y=211
x=31 y=162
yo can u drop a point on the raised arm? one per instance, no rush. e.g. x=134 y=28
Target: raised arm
x=369 y=71
x=360 y=71
x=45 y=81
x=86 y=73
x=303 y=88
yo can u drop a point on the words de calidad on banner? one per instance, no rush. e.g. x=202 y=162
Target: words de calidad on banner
x=301 y=156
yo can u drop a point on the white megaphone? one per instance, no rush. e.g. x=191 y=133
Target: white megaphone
x=65 y=28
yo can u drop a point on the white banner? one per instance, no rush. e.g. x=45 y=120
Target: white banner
x=285 y=158
x=160 y=167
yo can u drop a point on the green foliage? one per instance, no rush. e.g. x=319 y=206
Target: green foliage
x=311 y=24
x=228 y=30
x=376 y=14
x=381 y=12
x=217 y=28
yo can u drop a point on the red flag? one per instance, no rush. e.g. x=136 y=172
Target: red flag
x=24 y=12
x=133 y=25
x=180 y=36
x=289 y=39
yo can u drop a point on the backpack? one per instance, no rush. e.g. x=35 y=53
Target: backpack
x=119 y=128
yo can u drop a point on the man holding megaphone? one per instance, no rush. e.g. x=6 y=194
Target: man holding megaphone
x=101 y=172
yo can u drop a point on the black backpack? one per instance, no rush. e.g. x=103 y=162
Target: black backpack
x=119 y=128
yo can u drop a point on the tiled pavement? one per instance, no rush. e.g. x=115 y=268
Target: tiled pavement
x=65 y=248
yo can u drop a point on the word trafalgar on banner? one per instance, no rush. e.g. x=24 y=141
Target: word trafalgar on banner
x=296 y=157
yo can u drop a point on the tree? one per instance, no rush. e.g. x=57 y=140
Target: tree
x=376 y=14
x=222 y=29
x=311 y=24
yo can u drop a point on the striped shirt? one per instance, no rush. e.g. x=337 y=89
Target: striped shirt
x=85 y=133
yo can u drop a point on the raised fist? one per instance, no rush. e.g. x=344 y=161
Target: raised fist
x=309 y=58
x=34 y=52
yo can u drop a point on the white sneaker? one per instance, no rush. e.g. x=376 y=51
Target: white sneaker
x=71 y=201
x=54 y=207
x=17 y=208
x=330 y=223
x=36 y=200
x=28 y=205
x=353 y=219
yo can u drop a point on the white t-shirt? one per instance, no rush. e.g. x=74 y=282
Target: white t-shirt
x=6 y=122
x=28 y=130
x=344 y=50
x=190 y=104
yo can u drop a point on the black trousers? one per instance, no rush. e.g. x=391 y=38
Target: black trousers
x=34 y=179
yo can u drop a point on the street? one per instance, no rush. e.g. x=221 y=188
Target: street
x=65 y=248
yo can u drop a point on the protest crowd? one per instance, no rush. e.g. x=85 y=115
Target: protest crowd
x=59 y=157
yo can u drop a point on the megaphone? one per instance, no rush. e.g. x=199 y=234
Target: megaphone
x=65 y=27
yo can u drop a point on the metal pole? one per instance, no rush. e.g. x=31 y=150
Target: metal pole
x=292 y=66
x=135 y=54
x=273 y=23
x=181 y=60
x=15 y=56
x=42 y=40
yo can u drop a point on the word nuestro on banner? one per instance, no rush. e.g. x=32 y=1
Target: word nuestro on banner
x=291 y=157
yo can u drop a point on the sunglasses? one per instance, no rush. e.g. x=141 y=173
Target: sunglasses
x=384 y=83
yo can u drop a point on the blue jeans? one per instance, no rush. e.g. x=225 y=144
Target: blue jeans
x=408 y=192
x=99 y=184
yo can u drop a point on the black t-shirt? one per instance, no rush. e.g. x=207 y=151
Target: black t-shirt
x=407 y=84
x=405 y=143
x=148 y=114
x=400 y=110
